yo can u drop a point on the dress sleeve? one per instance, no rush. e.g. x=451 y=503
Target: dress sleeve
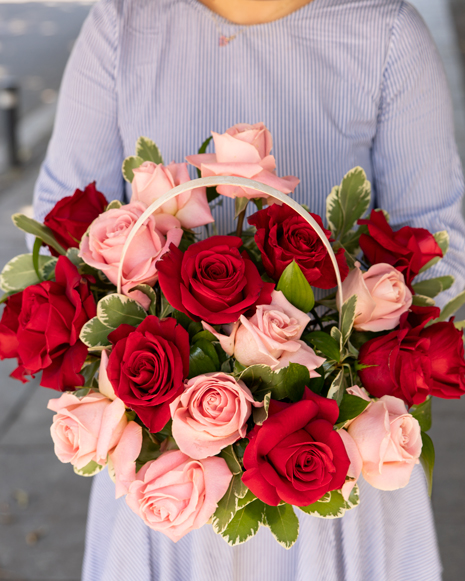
x=86 y=143
x=418 y=176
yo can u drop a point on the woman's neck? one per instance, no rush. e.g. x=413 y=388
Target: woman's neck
x=247 y=12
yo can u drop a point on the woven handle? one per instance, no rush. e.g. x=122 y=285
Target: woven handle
x=231 y=181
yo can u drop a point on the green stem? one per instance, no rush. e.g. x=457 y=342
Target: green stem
x=317 y=318
x=240 y=222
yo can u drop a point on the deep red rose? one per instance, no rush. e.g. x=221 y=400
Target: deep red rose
x=47 y=337
x=296 y=456
x=71 y=216
x=407 y=249
x=212 y=281
x=283 y=236
x=413 y=362
x=8 y=333
x=147 y=367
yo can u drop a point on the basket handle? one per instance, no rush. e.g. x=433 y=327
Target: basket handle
x=230 y=181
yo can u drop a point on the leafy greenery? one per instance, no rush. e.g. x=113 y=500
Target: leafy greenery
x=37 y=229
x=433 y=286
x=452 y=306
x=295 y=287
x=90 y=469
x=324 y=343
x=422 y=413
x=333 y=505
x=129 y=165
x=288 y=382
x=245 y=523
x=19 y=272
x=148 y=151
x=283 y=523
x=350 y=407
x=427 y=459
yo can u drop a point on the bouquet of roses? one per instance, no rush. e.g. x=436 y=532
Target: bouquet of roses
x=202 y=372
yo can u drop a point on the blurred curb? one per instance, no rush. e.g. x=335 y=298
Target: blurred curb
x=34 y=132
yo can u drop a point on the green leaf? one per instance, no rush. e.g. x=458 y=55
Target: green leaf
x=295 y=287
x=166 y=309
x=115 y=310
x=245 y=523
x=334 y=507
x=150 y=449
x=182 y=319
x=288 y=382
x=248 y=498
x=459 y=325
x=350 y=407
x=451 y=307
x=47 y=270
x=150 y=293
x=114 y=204
x=35 y=257
x=232 y=461
x=95 y=334
x=129 y=165
x=226 y=509
x=338 y=387
x=442 y=238
x=89 y=371
x=200 y=362
x=6 y=296
x=19 y=272
x=427 y=459
x=148 y=151
x=203 y=147
x=206 y=335
x=240 y=205
x=283 y=523
x=348 y=202
x=194 y=328
x=324 y=343
x=422 y=301
x=261 y=414
x=433 y=286
x=31 y=226
x=90 y=469
x=337 y=336
x=422 y=413
x=347 y=318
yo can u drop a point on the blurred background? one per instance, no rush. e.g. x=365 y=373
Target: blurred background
x=43 y=504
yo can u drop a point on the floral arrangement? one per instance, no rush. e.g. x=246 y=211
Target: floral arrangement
x=202 y=372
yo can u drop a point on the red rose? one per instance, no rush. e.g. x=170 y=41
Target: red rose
x=408 y=249
x=71 y=216
x=413 y=362
x=51 y=318
x=8 y=333
x=283 y=236
x=212 y=281
x=296 y=456
x=147 y=367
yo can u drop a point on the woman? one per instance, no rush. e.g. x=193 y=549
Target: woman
x=339 y=83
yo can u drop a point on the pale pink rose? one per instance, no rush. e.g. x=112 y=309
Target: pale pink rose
x=389 y=441
x=86 y=429
x=210 y=414
x=151 y=181
x=104 y=384
x=382 y=296
x=175 y=494
x=271 y=337
x=356 y=463
x=124 y=456
x=244 y=151
x=102 y=246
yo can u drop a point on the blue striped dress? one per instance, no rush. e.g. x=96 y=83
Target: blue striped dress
x=339 y=83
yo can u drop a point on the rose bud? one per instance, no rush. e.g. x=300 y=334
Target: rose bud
x=103 y=246
x=210 y=414
x=87 y=429
x=244 y=151
x=283 y=236
x=389 y=441
x=212 y=281
x=147 y=367
x=72 y=215
x=151 y=181
x=296 y=456
x=175 y=494
x=382 y=296
x=407 y=249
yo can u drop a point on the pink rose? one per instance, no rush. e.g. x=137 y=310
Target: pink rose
x=356 y=463
x=123 y=458
x=389 y=442
x=210 y=414
x=102 y=246
x=175 y=494
x=271 y=337
x=244 y=151
x=104 y=384
x=151 y=181
x=86 y=429
x=382 y=296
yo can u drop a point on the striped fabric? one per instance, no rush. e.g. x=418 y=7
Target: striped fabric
x=339 y=83
x=388 y=537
